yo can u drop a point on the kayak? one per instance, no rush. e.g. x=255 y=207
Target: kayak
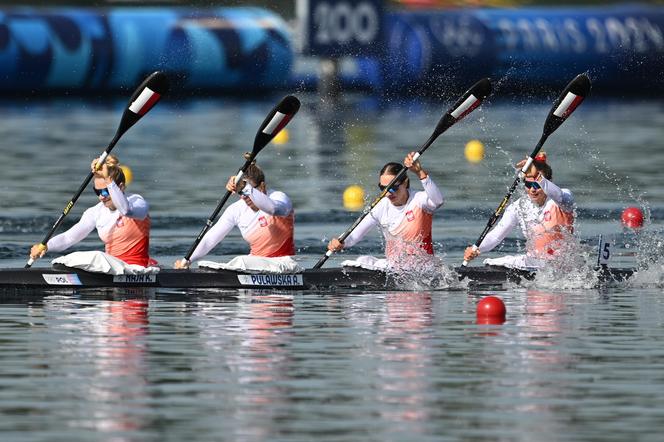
x=310 y=279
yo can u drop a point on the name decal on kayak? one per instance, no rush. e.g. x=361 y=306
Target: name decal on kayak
x=136 y=279
x=271 y=280
x=62 y=279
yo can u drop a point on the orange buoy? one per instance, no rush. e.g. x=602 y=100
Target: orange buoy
x=491 y=310
x=632 y=217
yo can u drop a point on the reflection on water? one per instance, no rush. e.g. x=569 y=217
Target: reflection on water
x=98 y=350
x=295 y=366
x=403 y=336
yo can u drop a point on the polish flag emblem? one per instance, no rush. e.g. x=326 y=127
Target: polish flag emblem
x=262 y=221
x=410 y=215
x=278 y=122
x=567 y=106
x=144 y=101
x=547 y=216
x=466 y=107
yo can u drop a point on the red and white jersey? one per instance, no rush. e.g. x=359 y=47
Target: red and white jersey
x=269 y=231
x=406 y=226
x=125 y=231
x=542 y=226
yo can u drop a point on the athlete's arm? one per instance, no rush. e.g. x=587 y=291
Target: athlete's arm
x=136 y=207
x=215 y=235
x=75 y=234
x=563 y=197
x=435 y=197
x=365 y=226
x=505 y=225
x=276 y=204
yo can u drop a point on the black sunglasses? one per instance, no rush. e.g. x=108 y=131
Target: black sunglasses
x=532 y=185
x=102 y=192
x=393 y=188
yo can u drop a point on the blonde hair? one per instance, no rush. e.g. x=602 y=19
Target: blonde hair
x=115 y=172
x=253 y=172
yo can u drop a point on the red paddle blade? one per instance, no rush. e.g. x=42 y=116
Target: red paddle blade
x=575 y=92
x=275 y=121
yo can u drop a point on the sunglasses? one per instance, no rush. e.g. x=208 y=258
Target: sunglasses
x=102 y=192
x=392 y=189
x=532 y=185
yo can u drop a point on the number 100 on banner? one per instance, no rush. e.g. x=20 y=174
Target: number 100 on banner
x=335 y=28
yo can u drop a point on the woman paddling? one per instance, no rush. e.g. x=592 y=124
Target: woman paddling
x=546 y=217
x=122 y=221
x=265 y=219
x=405 y=216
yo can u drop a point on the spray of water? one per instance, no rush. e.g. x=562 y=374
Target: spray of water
x=412 y=268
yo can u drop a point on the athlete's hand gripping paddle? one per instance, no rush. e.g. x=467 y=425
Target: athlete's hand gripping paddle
x=465 y=105
x=140 y=103
x=275 y=121
x=575 y=92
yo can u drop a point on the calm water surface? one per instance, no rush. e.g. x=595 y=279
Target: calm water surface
x=569 y=363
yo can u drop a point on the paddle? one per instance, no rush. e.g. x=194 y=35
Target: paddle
x=465 y=105
x=140 y=103
x=275 y=121
x=575 y=92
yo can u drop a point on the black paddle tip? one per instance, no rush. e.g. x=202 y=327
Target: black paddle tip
x=289 y=105
x=482 y=88
x=157 y=82
x=580 y=85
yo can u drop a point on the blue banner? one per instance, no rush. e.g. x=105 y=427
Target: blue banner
x=622 y=47
x=106 y=49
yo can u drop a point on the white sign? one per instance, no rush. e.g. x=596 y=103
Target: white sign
x=149 y=278
x=61 y=279
x=271 y=280
x=604 y=251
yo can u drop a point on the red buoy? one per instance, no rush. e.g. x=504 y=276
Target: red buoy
x=632 y=217
x=491 y=310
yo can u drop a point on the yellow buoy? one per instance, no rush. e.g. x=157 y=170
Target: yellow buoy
x=282 y=137
x=129 y=176
x=354 y=198
x=474 y=151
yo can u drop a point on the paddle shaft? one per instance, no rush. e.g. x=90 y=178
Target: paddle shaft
x=503 y=204
x=210 y=221
x=73 y=200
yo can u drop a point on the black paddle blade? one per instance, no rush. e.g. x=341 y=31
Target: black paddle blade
x=276 y=120
x=143 y=99
x=465 y=105
x=575 y=92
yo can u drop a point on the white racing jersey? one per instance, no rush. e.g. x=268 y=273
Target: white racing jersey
x=404 y=227
x=542 y=226
x=269 y=231
x=125 y=231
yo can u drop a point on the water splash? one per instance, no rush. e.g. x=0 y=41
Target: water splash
x=412 y=268
x=647 y=248
x=573 y=267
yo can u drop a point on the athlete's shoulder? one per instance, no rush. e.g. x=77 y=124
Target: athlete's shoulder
x=95 y=210
x=237 y=207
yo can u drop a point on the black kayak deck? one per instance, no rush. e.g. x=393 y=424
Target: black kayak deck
x=309 y=279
